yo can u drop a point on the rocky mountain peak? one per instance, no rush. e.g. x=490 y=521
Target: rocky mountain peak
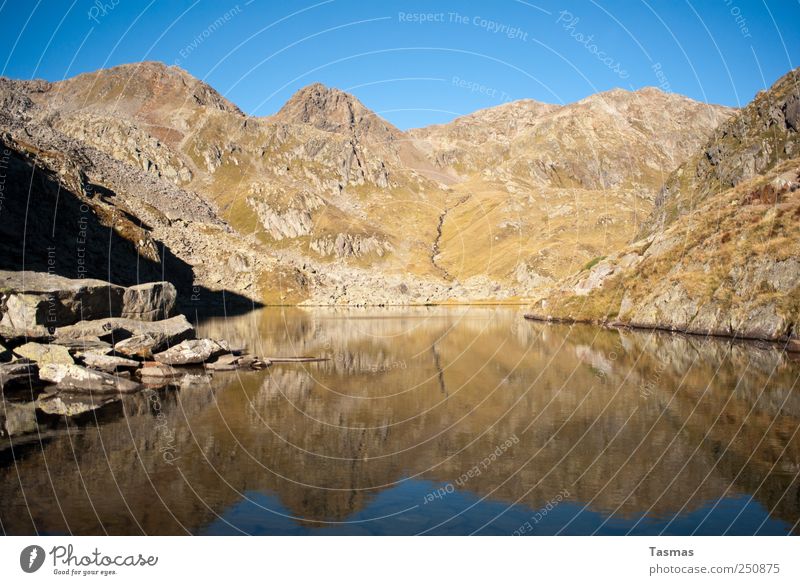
x=333 y=110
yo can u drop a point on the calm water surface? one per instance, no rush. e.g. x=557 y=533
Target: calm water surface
x=427 y=420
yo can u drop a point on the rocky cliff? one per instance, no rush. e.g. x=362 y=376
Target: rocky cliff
x=720 y=254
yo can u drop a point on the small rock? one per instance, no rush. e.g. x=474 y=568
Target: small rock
x=107 y=363
x=77 y=378
x=159 y=370
x=138 y=346
x=45 y=353
x=193 y=351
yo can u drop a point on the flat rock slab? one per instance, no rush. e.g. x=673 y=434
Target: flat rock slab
x=80 y=379
x=192 y=351
x=107 y=363
x=42 y=353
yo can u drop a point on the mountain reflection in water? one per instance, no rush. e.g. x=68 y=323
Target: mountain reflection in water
x=431 y=420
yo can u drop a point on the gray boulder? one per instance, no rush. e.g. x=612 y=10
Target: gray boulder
x=35 y=300
x=192 y=351
x=79 y=379
x=152 y=301
x=162 y=333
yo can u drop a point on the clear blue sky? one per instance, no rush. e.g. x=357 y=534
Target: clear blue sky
x=416 y=62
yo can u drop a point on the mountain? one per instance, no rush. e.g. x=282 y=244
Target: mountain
x=326 y=202
x=720 y=253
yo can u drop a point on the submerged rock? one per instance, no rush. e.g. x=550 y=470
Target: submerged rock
x=17 y=418
x=78 y=378
x=67 y=405
x=159 y=334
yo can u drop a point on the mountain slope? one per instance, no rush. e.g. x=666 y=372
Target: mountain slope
x=722 y=255
x=339 y=206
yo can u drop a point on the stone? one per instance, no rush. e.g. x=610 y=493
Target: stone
x=159 y=371
x=88 y=343
x=21 y=374
x=224 y=363
x=63 y=404
x=192 y=351
x=80 y=379
x=163 y=333
x=138 y=346
x=107 y=363
x=152 y=301
x=45 y=353
x=39 y=299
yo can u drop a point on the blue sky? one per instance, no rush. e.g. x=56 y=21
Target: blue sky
x=417 y=62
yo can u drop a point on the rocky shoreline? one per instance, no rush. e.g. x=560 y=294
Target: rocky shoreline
x=791 y=345
x=71 y=346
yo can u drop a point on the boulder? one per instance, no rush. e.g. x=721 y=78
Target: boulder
x=88 y=343
x=152 y=301
x=44 y=353
x=80 y=379
x=138 y=347
x=107 y=363
x=192 y=351
x=163 y=333
x=36 y=300
x=157 y=370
